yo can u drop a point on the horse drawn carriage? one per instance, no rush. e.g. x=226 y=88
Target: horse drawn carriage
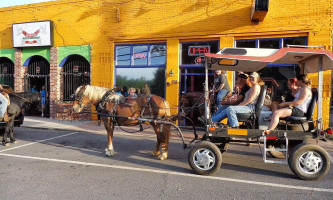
x=307 y=160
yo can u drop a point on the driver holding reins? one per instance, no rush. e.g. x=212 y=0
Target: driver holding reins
x=4 y=103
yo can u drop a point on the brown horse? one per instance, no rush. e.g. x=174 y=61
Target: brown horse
x=193 y=104
x=114 y=108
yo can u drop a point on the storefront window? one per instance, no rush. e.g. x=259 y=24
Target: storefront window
x=191 y=51
x=140 y=55
x=294 y=41
x=141 y=66
x=123 y=55
x=270 y=43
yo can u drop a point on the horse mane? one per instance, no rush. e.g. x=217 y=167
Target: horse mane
x=97 y=93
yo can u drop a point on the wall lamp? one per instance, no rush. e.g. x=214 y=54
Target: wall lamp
x=171 y=73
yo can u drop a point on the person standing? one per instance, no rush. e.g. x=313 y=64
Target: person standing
x=221 y=86
x=33 y=89
x=43 y=95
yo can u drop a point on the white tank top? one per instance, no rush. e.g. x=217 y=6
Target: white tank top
x=305 y=105
x=256 y=95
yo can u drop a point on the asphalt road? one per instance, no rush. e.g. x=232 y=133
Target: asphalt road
x=48 y=164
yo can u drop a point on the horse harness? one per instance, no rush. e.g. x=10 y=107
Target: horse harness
x=112 y=112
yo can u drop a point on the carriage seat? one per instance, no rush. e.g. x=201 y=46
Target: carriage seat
x=308 y=115
x=250 y=118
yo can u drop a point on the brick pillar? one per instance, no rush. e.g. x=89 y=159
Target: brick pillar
x=54 y=82
x=19 y=72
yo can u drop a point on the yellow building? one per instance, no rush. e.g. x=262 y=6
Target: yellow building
x=153 y=43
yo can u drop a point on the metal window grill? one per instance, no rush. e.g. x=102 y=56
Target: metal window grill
x=76 y=72
x=6 y=72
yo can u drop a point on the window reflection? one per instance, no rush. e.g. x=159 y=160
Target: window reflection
x=269 y=44
x=142 y=78
x=157 y=55
x=123 y=55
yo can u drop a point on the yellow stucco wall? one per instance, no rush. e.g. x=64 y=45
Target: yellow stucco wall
x=105 y=23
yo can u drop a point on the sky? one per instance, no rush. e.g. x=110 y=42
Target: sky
x=7 y=3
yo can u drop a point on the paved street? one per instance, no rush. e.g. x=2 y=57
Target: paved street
x=55 y=164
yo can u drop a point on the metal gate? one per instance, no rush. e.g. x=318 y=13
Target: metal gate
x=6 y=72
x=76 y=72
x=38 y=74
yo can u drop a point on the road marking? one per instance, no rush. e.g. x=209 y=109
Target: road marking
x=172 y=173
x=38 y=142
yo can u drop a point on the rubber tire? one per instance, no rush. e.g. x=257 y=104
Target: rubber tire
x=213 y=149
x=301 y=149
x=275 y=154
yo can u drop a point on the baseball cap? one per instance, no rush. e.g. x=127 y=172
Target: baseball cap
x=255 y=75
x=244 y=76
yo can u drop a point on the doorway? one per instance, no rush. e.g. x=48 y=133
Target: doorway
x=38 y=75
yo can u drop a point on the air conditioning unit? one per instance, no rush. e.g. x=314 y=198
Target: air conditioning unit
x=259 y=10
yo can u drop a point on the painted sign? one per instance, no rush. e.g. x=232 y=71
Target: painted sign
x=198 y=50
x=32 y=34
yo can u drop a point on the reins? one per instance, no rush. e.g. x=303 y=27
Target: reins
x=25 y=99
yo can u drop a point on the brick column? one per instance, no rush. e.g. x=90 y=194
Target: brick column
x=54 y=82
x=19 y=72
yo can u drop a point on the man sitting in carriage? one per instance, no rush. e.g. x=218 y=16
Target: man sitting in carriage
x=245 y=106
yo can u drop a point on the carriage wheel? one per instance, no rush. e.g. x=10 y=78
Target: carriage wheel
x=205 y=158
x=309 y=161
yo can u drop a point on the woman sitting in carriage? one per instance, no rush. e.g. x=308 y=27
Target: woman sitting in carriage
x=298 y=107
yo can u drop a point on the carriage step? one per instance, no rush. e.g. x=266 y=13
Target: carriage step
x=277 y=149
x=281 y=150
x=276 y=162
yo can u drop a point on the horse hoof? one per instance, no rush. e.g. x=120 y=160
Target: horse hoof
x=156 y=153
x=163 y=156
x=109 y=152
x=14 y=141
x=5 y=143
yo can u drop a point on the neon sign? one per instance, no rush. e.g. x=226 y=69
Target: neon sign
x=198 y=50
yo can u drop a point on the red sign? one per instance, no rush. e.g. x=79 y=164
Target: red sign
x=139 y=55
x=198 y=50
x=199 y=60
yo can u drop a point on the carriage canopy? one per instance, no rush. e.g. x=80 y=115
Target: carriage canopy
x=252 y=59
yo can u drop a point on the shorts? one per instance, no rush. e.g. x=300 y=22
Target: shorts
x=43 y=101
x=296 y=112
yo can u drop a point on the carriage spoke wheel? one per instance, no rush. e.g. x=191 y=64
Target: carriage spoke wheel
x=309 y=161
x=205 y=158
